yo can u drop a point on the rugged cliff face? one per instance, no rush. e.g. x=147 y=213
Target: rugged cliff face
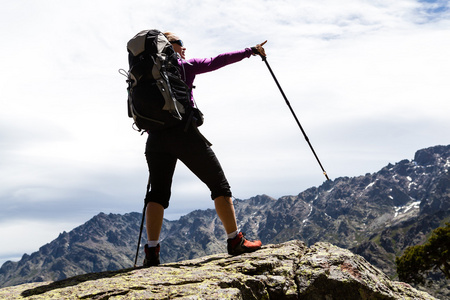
x=284 y=271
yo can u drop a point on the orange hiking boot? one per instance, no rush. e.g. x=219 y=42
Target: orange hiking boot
x=240 y=245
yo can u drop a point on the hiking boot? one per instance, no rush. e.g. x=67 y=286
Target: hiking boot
x=240 y=245
x=151 y=256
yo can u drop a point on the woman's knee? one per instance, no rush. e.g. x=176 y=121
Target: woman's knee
x=161 y=198
x=226 y=192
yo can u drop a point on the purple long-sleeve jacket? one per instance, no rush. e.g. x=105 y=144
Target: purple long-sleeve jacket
x=190 y=68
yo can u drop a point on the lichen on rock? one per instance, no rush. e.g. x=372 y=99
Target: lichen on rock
x=282 y=271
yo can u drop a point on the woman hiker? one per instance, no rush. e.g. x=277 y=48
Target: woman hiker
x=164 y=148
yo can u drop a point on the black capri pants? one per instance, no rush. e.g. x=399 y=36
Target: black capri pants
x=162 y=151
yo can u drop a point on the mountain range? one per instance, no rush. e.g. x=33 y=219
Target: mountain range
x=375 y=215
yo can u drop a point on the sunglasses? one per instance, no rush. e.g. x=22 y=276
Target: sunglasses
x=178 y=42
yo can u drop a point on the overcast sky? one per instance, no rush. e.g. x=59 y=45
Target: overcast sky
x=369 y=81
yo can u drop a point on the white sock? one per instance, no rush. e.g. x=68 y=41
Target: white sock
x=233 y=234
x=152 y=243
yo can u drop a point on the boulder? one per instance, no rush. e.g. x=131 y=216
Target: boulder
x=289 y=270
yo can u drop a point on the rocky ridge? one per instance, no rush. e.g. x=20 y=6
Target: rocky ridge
x=284 y=271
x=376 y=215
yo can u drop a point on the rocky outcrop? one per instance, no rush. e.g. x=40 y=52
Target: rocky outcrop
x=284 y=271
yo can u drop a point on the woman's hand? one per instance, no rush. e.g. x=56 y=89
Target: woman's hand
x=259 y=50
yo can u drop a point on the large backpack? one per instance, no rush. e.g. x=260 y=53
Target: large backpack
x=157 y=96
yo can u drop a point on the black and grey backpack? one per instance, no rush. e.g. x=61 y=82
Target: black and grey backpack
x=157 y=96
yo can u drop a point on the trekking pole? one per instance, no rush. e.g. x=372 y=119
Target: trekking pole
x=264 y=58
x=140 y=235
x=142 y=226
